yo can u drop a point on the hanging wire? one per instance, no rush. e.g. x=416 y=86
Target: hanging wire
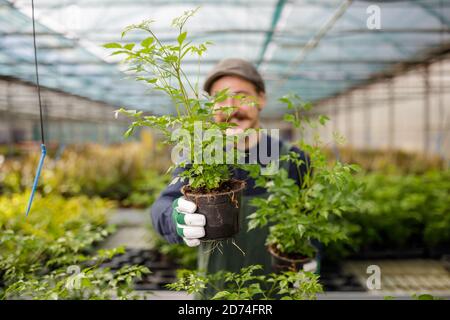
x=43 y=148
x=37 y=73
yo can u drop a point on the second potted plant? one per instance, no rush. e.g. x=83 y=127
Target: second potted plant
x=298 y=215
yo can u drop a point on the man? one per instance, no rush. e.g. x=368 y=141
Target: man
x=173 y=216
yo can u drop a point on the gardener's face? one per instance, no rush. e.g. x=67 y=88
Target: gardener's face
x=248 y=103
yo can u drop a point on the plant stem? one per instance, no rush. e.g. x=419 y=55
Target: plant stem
x=177 y=70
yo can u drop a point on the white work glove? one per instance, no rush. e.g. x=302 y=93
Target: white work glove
x=189 y=225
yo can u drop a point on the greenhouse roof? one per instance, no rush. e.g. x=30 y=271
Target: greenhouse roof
x=314 y=48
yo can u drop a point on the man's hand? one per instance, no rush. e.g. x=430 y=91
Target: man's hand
x=190 y=225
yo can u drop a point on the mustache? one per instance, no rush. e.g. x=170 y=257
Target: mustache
x=239 y=116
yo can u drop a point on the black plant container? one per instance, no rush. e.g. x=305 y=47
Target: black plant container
x=283 y=263
x=220 y=209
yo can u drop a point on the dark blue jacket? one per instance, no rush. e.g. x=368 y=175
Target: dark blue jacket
x=161 y=211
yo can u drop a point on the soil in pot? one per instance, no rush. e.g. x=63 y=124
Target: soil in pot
x=282 y=262
x=221 y=209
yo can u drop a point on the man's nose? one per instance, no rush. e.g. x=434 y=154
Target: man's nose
x=231 y=102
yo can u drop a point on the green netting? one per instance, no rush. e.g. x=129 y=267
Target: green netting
x=314 y=48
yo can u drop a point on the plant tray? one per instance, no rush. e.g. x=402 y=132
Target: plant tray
x=163 y=269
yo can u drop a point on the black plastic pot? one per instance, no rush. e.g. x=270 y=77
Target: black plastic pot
x=220 y=209
x=283 y=263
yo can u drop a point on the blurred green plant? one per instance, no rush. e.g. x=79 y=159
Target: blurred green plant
x=247 y=285
x=36 y=252
x=398 y=212
x=124 y=173
x=425 y=296
x=58 y=232
x=416 y=296
x=53 y=216
x=387 y=161
x=74 y=283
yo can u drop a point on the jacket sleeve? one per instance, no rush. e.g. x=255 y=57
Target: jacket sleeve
x=161 y=211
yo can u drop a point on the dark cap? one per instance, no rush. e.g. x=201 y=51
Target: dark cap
x=235 y=67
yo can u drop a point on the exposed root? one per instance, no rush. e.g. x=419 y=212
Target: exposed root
x=234 y=200
x=293 y=267
x=215 y=244
x=218 y=244
x=235 y=244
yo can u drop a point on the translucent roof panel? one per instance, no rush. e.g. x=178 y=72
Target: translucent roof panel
x=315 y=48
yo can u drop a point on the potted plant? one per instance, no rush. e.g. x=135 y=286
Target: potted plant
x=299 y=214
x=202 y=156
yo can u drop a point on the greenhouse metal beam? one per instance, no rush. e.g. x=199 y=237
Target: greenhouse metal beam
x=403 y=63
x=83 y=85
x=214 y=61
x=136 y=3
x=140 y=3
x=88 y=81
x=15 y=80
x=384 y=36
x=104 y=35
x=287 y=32
x=146 y=3
x=403 y=66
x=314 y=41
x=439 y=15
x=352 y=18
x=273 y=26
x=269 y=76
